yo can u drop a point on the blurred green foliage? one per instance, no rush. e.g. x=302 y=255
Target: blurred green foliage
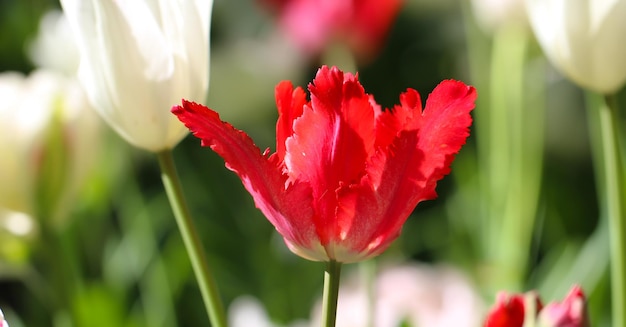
x=122 y=261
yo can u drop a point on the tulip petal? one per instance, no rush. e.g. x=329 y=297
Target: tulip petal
x=286 y=207
x=583 y=39
x=445 y=127
x=361 y=207
x=405 y=173
x=290 y=103
x=394 y=197
x=331 y=143
x=137 y=58
x=406 y=116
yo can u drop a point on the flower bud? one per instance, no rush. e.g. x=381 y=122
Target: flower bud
x=583 y=39
x=572 y=312
x=314 y=25
x=49 y=137
x=138 y=59
x=509 y=311
x=54 y=47
x=493 y=14
x=16 y=232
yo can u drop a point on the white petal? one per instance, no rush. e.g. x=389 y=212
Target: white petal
x=584 y=39
x=139 y=58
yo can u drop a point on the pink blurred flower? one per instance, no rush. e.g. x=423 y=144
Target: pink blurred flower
x=569 y=313
x=312 y=24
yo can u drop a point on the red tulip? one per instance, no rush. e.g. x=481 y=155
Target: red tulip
x=345 y=175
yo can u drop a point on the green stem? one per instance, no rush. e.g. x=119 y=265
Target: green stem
x=368 y=275
x=208 y=287
x=331 y=293
x=514 y=159
x=61 y=271
x=613 y=183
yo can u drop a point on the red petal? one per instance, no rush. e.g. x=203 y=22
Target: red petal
x=406 y=116
x=332 y=141
x=406 y=171
x=290 y=103
x=288 y=209
x=507 y=312
x=445 y=128
x=388 y=195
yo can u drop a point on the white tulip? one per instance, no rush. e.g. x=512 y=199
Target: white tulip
x=584 y=39
x=138 y=59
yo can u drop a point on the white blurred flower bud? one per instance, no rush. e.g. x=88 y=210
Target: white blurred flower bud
x=247 y=311
x=16 y=231
x=54 y=47
x=49 y=139
x=493 y=14
x=138 y=59
x=584 y=39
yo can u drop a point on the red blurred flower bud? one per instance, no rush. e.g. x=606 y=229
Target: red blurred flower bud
x=507 y=312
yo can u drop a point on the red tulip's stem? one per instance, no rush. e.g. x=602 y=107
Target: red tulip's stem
x=331 y=293
x=614 y=201
x=208 y=287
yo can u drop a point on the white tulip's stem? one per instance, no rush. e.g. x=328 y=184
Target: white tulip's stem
x=195 y=250
x=614 y=202
x=509 y=125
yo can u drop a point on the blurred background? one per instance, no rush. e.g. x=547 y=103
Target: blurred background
x=518 y=212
